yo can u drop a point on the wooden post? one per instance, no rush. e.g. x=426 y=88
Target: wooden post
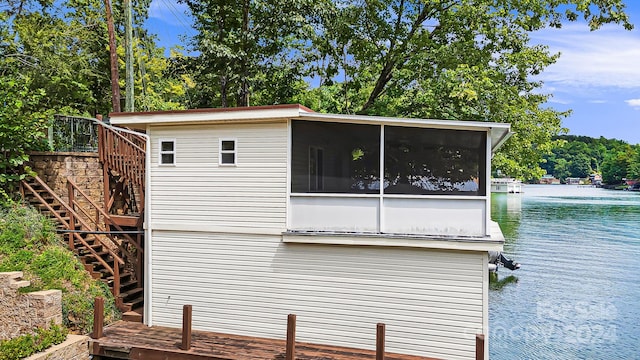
x=100 y=138
x=186 y=327
x=116 y=278
x=139 y=261
x=479 y=346
x=380 y=340
x=291 y=337
x=72 y=220
x=98 y=317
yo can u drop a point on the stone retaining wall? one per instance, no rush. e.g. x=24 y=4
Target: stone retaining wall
x=22 y=313
x=76 y=347
x=83 y=168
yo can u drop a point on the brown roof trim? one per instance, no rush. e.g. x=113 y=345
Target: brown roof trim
x=214 y=110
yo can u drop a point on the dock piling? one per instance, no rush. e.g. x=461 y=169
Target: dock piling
x=187 y=312
x=291 y=337
x=380 y=341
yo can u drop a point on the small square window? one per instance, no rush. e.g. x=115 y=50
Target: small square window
x=167 y=159
x=167 y=146
x=228 y=152
x=167 y=152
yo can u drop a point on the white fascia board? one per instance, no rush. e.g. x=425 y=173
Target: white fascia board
x=188 y=117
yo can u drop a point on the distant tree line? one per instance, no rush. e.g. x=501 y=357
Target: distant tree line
x=580 y=156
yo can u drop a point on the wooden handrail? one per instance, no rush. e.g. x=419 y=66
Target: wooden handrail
x=107 y=218
x=136 y=137
x=122 y=154
x=66 y=224
x=127 y=140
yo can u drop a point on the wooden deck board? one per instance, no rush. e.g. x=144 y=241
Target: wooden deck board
x=129 y=340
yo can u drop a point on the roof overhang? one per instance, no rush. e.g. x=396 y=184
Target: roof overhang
x=499 y=132
x=140 y=120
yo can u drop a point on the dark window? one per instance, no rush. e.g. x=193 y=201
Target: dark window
x=335 y=158
x=227 y=152
x=167 y=152
x=434 y=161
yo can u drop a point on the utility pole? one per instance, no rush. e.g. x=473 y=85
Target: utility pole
x=128 y=43
x=113 y=59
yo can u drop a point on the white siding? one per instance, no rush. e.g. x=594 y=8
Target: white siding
x=435 y=216
x=417 y=215
x=198 y=193
x=431 y=301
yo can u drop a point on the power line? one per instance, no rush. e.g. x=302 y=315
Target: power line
x=176 y=13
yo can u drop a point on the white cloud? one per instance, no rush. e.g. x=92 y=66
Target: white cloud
x=598 y=101
x=592 y=59
x=634 y=103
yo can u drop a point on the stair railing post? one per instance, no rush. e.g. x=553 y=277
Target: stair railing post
x=98 y=317
x=100 y=138
x=139 y=262
x=116 y=278
x=72 y=220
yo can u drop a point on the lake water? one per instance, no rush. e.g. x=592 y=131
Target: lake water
x=577 y=295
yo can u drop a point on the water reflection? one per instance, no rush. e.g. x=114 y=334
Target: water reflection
x=506 y=210
x=496 y=283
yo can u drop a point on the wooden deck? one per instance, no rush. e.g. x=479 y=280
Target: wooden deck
x=127 y=340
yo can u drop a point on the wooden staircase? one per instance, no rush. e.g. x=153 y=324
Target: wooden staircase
x=110 y=248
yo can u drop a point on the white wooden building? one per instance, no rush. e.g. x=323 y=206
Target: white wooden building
x=256 y=213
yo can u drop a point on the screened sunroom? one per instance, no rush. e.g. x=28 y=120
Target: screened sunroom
x=390 y=177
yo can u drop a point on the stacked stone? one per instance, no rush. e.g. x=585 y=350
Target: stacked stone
x=23 y=313
x=83 y=168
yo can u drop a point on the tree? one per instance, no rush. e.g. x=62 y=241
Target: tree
x=561 y=170
x=633 y=171
x=580 y=166
x=464 y=59
x=615 y=166
x=22 y=129
x=248 y=48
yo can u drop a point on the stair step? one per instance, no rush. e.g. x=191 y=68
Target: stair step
x=101 y=254
x=137 y=302
x=92 y=244
x=132 y=316
x=133 y=293
x=125 y=277
x=127 y=286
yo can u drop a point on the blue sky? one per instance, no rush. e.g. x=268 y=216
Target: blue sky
x=597 y=75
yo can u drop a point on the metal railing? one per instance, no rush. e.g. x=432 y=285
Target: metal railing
x=73 y=134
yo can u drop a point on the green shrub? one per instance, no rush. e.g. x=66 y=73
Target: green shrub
x=23 y=227
x=29 y=344
x=28 y=243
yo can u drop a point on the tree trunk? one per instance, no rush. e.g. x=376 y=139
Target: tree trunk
x=243 y=96
x=115 y=79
